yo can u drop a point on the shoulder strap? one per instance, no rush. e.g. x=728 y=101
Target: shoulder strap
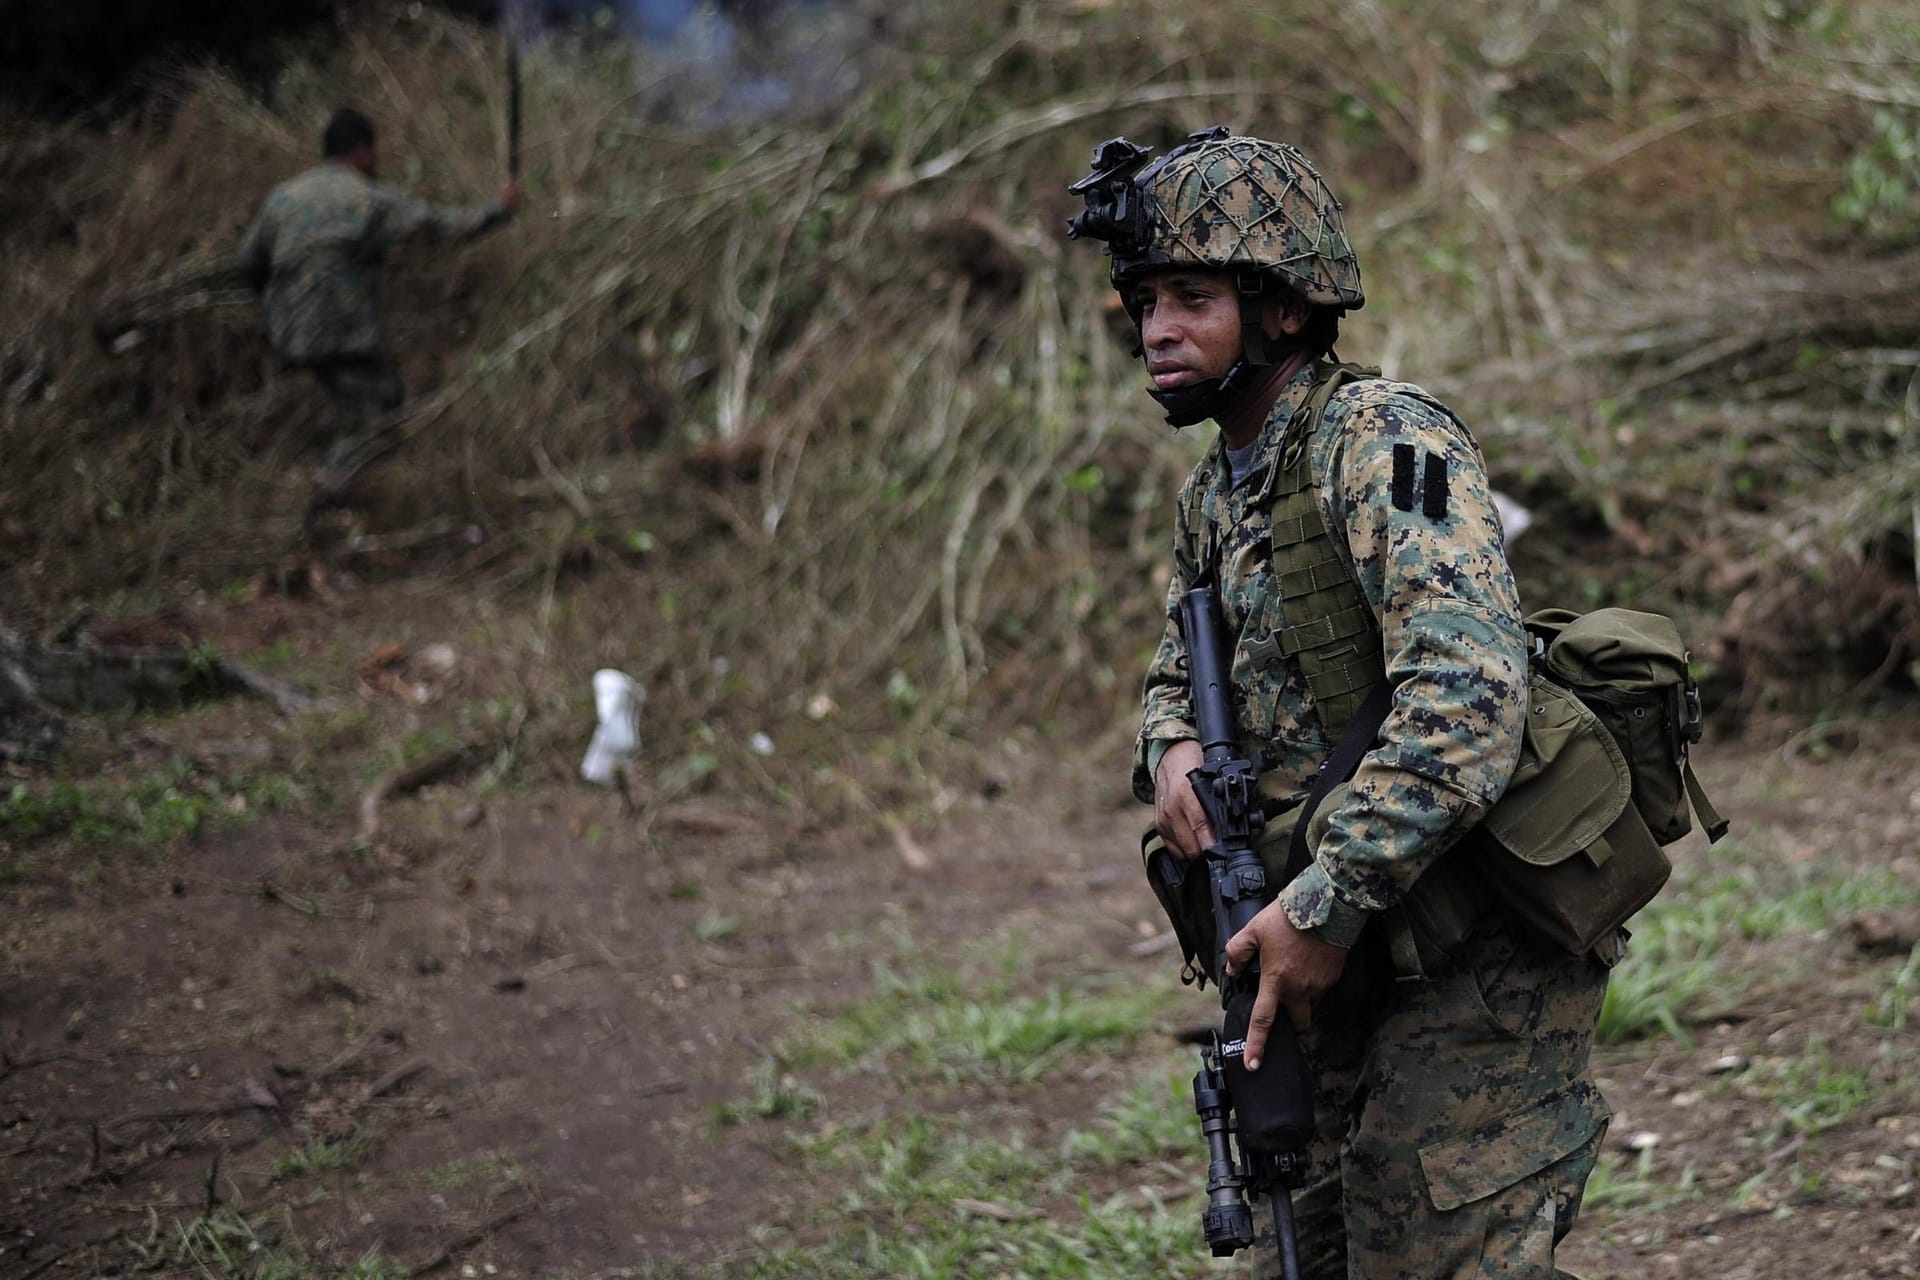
x=1716 y=826
x=1338 y=767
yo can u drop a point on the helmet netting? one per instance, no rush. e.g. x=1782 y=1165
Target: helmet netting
x=1245 y=202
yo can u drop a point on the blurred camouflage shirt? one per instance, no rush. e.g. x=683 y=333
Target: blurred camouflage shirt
x=1452 y=644
x=315 y=252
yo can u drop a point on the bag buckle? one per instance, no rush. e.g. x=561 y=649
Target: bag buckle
x=1695 y=725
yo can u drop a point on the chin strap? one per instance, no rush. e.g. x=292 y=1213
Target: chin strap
x=1199 y=401
x=1257 y=348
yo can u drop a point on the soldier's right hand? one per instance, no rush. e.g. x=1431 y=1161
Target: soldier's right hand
x=510 y=196
x=1177 y=814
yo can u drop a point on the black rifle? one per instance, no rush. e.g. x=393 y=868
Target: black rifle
x=1270 y=1111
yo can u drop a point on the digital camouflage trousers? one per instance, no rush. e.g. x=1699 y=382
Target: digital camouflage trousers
x=1456 y=1118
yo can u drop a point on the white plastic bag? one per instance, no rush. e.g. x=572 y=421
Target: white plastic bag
x=616 y=697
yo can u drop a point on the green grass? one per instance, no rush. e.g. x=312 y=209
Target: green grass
x=949 y=1185
x=1633 y=1184
x=1893 y=1006
x=776 y=1096
x=1807 y=1092
x=158 y=810
x=319 y=1156
x=938 y=1195
x=1701 y=947
x=934 y=1024
x=1154 y=1121
x=230 y=1245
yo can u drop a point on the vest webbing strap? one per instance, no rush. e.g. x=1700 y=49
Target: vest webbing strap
x=1335 y=644
x=1331 y=634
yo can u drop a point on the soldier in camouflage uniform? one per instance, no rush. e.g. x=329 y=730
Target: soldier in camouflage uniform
x=315 y=252
x=1456 y=1117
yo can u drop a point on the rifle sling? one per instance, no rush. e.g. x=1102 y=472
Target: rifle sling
x=1338 y=767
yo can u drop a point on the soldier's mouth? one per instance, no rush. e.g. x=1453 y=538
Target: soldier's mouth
x=1174 y=376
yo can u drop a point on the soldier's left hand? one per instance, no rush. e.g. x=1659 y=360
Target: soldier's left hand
x=1296 y=969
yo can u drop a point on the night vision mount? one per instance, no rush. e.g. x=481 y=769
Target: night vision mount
x=1116 y=208
x=1116 y=195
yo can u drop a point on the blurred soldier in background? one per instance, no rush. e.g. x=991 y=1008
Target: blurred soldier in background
x=314 y=253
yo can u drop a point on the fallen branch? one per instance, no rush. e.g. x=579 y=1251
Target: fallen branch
x=354 y=1052
x=1155 y=945
x=657 y=1089
x=391 y=1081
x=90 y=677
x=569 y=491
x=285 y=698
x=109 y=1131
x=410 y=778
x=444 y=1254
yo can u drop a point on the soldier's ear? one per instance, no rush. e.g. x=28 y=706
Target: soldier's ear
x=1284 y=313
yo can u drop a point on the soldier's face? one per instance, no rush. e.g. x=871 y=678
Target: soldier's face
x=1190 y=324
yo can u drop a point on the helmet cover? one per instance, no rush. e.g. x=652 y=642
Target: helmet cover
x=1225 y=202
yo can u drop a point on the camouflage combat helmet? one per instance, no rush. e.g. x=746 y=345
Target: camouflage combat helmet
x=1227 y=202
x=1223 y=201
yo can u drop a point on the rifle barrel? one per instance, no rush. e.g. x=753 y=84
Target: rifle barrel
x=1212 y=693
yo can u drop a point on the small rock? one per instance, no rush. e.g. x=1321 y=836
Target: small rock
x=468 y=815
x=1885 y=932
x=1644 y=1140
x=760 y=744
x=1729 y=1063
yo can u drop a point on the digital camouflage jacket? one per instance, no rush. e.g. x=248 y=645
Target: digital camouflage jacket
x=1426 y=549
x=315 y=251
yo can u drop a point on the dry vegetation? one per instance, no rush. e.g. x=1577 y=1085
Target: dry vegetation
x=818 y=426
x=829 y=397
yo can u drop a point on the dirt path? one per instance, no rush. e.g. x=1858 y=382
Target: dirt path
x=509 y=1054
x=535 y=1026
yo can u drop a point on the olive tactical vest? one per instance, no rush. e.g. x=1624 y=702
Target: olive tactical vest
x=1330 y=632
x=1604 y=769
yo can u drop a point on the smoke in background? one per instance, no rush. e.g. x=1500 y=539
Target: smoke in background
x=702 y=61
x=709 y=63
